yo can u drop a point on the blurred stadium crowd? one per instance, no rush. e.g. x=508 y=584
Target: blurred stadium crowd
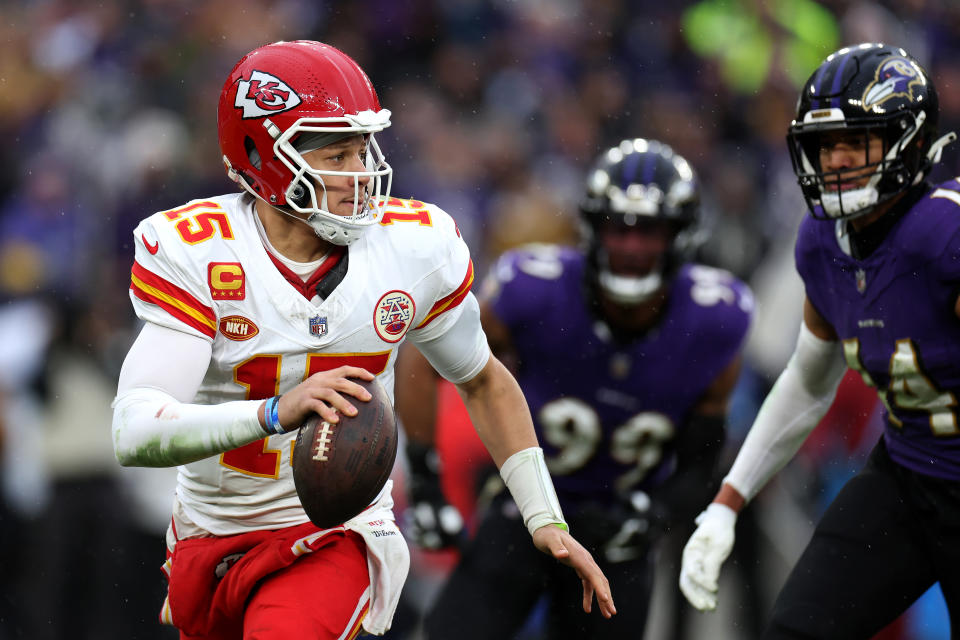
x=108 y=110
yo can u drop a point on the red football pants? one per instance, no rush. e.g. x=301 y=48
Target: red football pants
x=323 y=595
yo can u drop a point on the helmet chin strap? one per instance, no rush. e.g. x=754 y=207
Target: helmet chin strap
x=853 y=203
x=853 y=200
x=341 y=232
x=857 y=202
x=338 y=230
x=629 y=290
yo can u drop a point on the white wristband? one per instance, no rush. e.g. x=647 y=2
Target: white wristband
x=526 y=476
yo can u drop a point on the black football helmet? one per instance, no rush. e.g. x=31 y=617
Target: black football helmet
x=634 y=184
x=865 y=89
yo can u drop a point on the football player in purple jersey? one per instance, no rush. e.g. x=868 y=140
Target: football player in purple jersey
x=879 y=256
x=626 y=353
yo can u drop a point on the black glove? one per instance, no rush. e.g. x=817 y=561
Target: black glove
x=618 y=532
x=637 y=529
x=432 y=522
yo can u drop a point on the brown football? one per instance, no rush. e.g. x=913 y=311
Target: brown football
x=339 y=469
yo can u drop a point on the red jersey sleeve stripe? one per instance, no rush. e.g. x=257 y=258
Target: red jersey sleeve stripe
x=449 y=302
x=150 y=287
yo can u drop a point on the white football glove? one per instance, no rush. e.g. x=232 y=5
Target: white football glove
x=704 y=553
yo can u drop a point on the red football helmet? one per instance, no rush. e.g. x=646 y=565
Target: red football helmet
x=285 y=99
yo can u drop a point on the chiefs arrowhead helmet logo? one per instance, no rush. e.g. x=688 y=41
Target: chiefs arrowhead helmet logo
x=264 y=94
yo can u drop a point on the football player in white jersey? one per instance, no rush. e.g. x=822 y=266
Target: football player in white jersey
x=259 y=308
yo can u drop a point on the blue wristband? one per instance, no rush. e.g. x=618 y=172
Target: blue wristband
x=271 y=416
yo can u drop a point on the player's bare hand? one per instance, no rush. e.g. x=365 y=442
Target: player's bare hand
x=556 y=542
x=325 y=393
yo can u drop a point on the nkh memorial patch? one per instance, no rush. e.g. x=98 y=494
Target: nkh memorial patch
x=238 y=328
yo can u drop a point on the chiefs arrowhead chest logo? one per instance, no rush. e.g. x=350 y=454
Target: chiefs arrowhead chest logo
x=392 y=315
x=264 y=94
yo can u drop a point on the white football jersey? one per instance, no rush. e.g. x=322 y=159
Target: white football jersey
x=202 y=268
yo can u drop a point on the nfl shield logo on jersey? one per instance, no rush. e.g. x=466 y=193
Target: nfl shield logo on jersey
x=318 y=326
x=861 y=280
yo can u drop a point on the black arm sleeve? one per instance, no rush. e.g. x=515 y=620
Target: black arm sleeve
x=693 y=482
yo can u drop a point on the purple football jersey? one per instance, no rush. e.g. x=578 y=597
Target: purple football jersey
x=607 y=413
x=894 y=312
